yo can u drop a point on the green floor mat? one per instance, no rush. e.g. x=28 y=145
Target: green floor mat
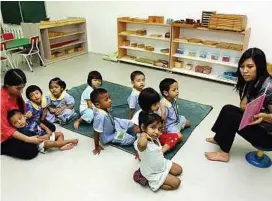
x=194 y=112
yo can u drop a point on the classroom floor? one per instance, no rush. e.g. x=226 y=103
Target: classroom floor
x=79 y=175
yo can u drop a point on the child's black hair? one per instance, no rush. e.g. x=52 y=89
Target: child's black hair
x=165 y=85
x=94 y=96
x=135 y=73
x=60 y=82
x=147 y=98
x=11 y=113
x=94 y=75
x=31 y=89
x=146 y=119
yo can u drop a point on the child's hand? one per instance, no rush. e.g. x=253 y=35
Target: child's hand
x=45 y=137
x=58 y=111
x=52 y=110
x=35 y=140
x=28 y=114
x=97 y=149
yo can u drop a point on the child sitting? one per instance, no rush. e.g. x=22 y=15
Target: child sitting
x=149 y=101
x=60 y=104
x=106 y=127
x=173 y=122
x=86 y=107
x=159 y=171
x=138 y=81
x=30 y=128
x=36 y=106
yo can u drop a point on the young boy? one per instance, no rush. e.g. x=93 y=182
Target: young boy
x=33 y=128
x=36 y=106
x=173 y=122
x=138 y=81
x=106 y=127
x=94 y=81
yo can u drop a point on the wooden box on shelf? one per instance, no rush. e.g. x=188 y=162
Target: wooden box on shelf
x=228 y=22
x=156 y=19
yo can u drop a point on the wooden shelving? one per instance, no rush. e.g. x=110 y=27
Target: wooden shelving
x=67 y=34
x=126 y=29
x=68 y=45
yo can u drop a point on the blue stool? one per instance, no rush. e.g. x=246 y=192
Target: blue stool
x=259 y=158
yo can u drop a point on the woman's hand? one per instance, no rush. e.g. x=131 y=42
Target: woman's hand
x=35 y=140
x=258 y=118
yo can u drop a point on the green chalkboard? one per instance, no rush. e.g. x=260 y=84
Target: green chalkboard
x=15 y=12
x=11 y=12
x=33 y=11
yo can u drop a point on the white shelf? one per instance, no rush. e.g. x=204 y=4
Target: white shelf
x=146 y=36
x=128 y=60
x=143 y=50
x=206 y=60
x=202 y=75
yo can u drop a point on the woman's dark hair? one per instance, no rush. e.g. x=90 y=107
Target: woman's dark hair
x=252 y=88
x=147 y=98
x=15 y=77
x=165 y=84
x=146 y=119
x=94 y=96
x=59 y=82
x=31 y=89
x=94 y=75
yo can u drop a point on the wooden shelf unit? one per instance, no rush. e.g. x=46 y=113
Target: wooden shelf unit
x=176 y=31
x=72 y=33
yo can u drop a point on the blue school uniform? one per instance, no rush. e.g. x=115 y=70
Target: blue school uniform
x=85 y=112
x=35 y=109
x=133 y=100
x=112 y=129
x=174 y=122
x=32 y=128
x=64 y=99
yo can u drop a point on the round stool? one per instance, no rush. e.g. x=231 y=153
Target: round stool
x=259 y=158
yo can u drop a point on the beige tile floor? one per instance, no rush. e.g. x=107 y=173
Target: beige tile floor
x=78 y=175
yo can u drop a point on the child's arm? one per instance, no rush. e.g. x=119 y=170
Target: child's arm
x=163 y=116
x=44 y=113
x=142 y=142
x=29 y=110
x=131 y=113
x=97 y=147
x=47 y=130
x=90 y=104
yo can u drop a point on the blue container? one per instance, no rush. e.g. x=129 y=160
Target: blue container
x=180 y=51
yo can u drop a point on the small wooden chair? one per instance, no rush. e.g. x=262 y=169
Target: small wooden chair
x=5 y=58
x=259 y=158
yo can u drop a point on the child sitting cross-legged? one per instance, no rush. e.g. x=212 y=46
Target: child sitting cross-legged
x=106 y=127
x=30 y=128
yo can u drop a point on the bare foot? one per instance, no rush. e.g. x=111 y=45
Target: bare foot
x=77 y=123
x=67 y=147
x=74 y=141
x=211 y=140
x=217 y=156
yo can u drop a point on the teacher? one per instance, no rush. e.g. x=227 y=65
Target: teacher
x=14 y=143
x=253 y=80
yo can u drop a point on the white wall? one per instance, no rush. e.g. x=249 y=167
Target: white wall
x=102 y=18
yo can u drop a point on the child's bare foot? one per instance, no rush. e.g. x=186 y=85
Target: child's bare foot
x=77 y=123
x=217 y=156
x=74 y=141
x=211 y=140
x=67 y=147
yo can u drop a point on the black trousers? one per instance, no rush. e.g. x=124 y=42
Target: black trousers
x=226 y=127
x=19 y=149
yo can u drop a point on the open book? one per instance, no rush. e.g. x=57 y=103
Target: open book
x=252 y=108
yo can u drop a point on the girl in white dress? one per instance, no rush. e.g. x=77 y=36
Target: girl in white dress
x=159 y=171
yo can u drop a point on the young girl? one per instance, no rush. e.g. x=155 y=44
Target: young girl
x=86 y=107
x=60 y=104
x=36 y=106
x=160 y=172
